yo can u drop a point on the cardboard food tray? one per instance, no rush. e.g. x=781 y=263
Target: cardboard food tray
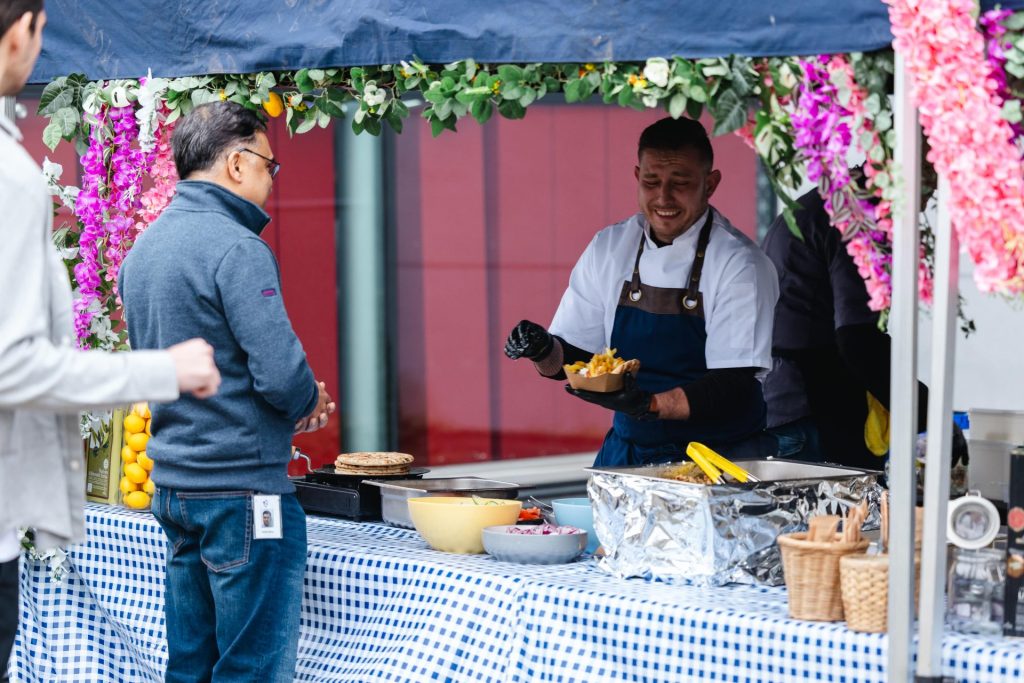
x=603 y=384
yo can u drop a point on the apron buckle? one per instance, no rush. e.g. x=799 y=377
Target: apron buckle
x=688 y=303
x=635 y=294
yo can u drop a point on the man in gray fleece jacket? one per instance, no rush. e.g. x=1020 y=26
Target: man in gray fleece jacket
x=234 y=586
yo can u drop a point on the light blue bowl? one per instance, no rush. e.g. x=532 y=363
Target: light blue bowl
x=532 y=548
x=577 y=512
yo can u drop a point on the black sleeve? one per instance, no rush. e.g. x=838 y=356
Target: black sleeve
x=714 y=395
x=866 y=351
x=570 y=354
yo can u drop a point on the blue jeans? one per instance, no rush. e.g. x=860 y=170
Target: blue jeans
x=232 y=602
x=798 y=440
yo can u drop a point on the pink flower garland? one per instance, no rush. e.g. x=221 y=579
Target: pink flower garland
x=971 y=144
x=164 y=175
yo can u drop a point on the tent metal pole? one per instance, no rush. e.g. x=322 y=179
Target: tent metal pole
x=903 y=391
x=360 y=234
x=940 y=444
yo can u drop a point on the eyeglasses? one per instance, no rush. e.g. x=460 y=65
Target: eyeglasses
x=273 y=165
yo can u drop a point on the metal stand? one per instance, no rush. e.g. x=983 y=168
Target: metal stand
x=903 y=394
x=940 y=444
x=364 y=359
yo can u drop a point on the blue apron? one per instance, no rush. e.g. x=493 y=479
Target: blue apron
x=664 y=329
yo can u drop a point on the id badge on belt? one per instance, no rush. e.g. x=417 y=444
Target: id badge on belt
x=266 y=517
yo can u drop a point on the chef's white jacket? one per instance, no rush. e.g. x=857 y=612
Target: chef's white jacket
x=738 y=282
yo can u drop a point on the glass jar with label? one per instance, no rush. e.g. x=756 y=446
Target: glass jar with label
x=974 y=600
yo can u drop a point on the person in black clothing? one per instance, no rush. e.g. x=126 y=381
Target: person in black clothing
x=827 y=349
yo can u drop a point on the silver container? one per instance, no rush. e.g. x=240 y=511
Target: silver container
x=675 y=531
x=395 y=494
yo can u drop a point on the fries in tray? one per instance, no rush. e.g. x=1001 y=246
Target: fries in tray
x=687 y=472
x=708 y=467
x=603 y=372
x=602 y=364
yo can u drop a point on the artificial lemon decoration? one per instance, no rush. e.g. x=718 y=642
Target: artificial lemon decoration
x=137 y=442
x=135 y=485
x=137 y=500
x=133 y=424
x=273 y=105
x=135 y=473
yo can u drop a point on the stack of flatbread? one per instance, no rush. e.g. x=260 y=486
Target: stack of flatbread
x=373 y=464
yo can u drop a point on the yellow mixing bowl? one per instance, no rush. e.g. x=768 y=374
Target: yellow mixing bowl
x=455 y=525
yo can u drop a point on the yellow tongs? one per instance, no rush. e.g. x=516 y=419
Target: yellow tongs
x=713 y=464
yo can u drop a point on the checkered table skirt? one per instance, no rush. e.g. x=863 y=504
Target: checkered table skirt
x=379 y=605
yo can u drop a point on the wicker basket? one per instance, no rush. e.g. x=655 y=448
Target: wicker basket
x=812 y=575
x=865 y=589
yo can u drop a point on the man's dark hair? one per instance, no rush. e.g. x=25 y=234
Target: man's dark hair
x=210 y=130
x=674 y=134
x=12 y=10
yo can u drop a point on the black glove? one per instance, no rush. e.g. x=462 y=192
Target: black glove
x=528 y=340
x=960 y=454
x=631 y=399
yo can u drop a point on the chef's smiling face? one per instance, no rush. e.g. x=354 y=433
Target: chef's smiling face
x=673 y=189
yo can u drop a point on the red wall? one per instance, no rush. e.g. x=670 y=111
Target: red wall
x=490 y=223
x=301 y=233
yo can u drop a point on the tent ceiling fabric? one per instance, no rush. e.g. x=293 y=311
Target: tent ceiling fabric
x=106 y=39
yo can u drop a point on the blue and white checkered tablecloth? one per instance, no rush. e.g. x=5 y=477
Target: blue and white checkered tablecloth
x=379 y=605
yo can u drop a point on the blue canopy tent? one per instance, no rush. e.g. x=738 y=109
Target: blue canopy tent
x=182 y=38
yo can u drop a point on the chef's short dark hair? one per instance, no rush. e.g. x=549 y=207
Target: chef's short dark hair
x=12 y=10
x=208 y=131
x=673 y=134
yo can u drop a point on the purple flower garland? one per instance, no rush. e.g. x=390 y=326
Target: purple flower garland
x=112 y=169
x=992 y=24
x=824 y=134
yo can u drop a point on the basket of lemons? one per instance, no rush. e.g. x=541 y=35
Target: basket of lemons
x=136 y=486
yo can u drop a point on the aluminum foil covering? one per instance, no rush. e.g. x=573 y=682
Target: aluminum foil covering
x=674 y=531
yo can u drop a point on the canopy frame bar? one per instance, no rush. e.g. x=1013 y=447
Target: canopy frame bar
x=903 y=382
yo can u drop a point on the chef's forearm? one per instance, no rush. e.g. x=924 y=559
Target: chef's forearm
x=708 y=397
x=671 y=405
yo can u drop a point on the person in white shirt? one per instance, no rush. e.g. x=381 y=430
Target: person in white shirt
x=44 y=380
x=677 y=287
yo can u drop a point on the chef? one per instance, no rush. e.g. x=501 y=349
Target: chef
x=679 y=288
x=828 y=391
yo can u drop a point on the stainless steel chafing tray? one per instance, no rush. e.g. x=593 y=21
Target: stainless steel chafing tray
x=670 y=530
x=394 y=495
